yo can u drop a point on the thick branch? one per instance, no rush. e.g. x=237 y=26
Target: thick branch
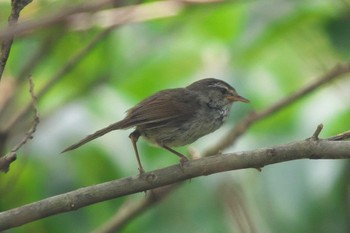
x=312 y=149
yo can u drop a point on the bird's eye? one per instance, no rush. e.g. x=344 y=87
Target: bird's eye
x=223 y=90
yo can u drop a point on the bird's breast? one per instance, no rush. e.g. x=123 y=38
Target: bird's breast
x=202 y=123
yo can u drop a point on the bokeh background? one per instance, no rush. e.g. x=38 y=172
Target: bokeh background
x=266 y=49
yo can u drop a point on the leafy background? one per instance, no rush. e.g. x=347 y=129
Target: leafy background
x=265 y=49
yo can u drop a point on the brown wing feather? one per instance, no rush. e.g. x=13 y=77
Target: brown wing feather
x=166 y=107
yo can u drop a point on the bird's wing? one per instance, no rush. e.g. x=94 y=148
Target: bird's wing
x=168 y=107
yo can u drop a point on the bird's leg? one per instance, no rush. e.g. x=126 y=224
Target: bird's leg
x=183 y=158
x=134 y=136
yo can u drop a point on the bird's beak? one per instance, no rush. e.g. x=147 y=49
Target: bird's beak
x=237 y=98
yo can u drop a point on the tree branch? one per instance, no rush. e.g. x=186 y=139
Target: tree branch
x=129 y=210
x=341 y=136
x=65 y=15
x=44 y=49
x=51 y=19
x=71 y=63
x=311 y=149
x=17 y=6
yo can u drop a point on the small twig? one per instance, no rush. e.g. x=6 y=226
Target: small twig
x=340 y=137
x=317 y=132
x=6 y=160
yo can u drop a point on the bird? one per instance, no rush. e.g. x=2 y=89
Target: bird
x=175 y=117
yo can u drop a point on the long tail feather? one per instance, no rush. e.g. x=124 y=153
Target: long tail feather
x=99 y=133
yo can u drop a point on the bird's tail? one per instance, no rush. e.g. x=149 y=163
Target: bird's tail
x=99 y=133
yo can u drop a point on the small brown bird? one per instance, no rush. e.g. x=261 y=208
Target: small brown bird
x=176 y=117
